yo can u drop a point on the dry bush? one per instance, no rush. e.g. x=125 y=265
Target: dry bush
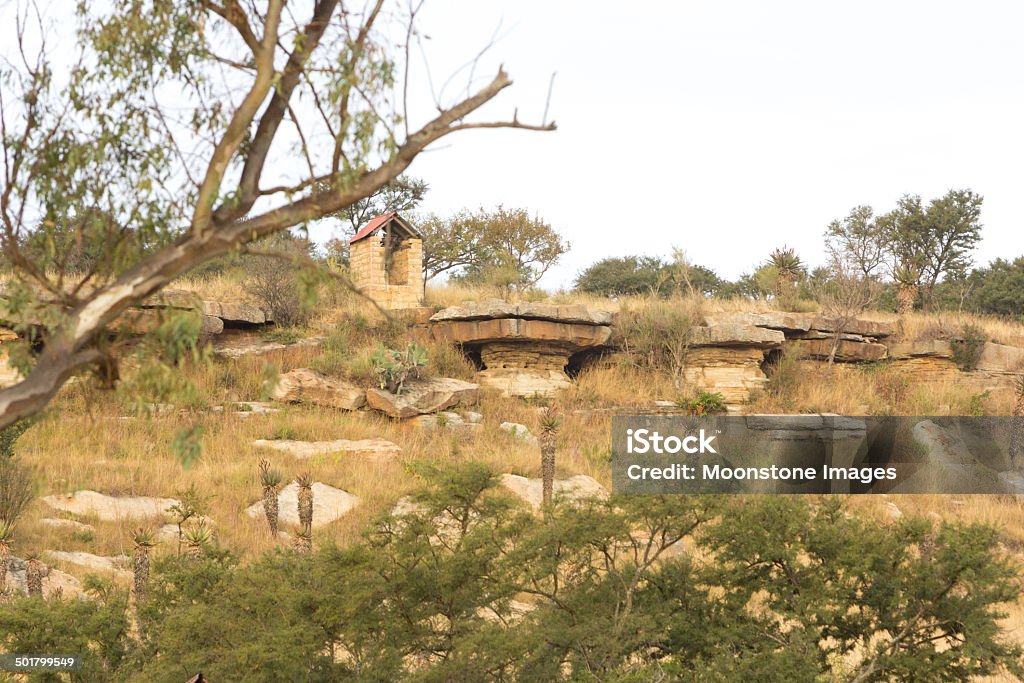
x=15 y=489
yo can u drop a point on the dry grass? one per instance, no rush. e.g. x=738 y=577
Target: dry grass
x=84 y=443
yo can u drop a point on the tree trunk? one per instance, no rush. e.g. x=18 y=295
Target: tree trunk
x=270 y=508
x=34 y=577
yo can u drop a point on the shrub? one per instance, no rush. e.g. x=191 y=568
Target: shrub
x=656 y=334
x=10 y=434
x=276 y=282
x=967 y=347
x=393 y=368
x=15 y=489
x=704 y=403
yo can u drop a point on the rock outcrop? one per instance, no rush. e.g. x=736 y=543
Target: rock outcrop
x=329 y=504
x=370 y=449
x=304 y=385
x=524 y=348
x=726 y=358
x=110 y=508
x=422 y=397
x=573 y=488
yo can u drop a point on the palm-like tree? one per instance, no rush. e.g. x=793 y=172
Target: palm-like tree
x=788 y=267
x=144 y=542
x=1017 y=428
x=6 y=541
x=34 y=572
x=906 y=275
x=305 y=482
x=549 y=425
x=196 y=538
x=303 y=542
x=271 y=481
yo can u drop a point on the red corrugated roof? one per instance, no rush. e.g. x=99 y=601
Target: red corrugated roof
x=372 y=226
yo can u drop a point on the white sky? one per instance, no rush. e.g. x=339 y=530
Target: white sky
x=730 y=128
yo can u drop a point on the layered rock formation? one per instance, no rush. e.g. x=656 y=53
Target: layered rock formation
x=859 y=340
x=524 y=348
x=727 y=358
x=932 y=361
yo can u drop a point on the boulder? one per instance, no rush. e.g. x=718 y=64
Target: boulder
x=574 y=488
x=519 y=431
x=55 y=582
x=420 y=397
x=329 y=504
x=117 y=565
x=110 y=508
x=303 y=385
x=371 y=449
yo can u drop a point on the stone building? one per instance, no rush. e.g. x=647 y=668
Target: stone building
x=386 y=259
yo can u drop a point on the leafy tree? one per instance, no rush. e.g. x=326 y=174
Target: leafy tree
x=999 y=287
x=190 y=129
x=775 y=588
x=508 y=247
x=403 y=194
x=927 y=243
x=621 y=275
x=858 y=239
x=450 y=244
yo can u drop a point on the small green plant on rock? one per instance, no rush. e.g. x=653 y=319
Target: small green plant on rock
x=704 y=403
x=393 y=368
x=968 y=347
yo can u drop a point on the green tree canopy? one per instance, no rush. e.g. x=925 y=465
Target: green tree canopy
x=468 y=584
x=506 y=245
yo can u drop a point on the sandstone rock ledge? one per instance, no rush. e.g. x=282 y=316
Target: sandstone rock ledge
x=524 y=348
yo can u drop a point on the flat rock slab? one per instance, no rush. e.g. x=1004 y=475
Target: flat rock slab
x=801 y=322
x=67 y=525
x=117 y=565
x=484 y=310
x=372 y=449
x=238 y=348
x=244 y=409
x=110 y=508
x=569 y=336
x=532 y=490
x=735 y=334
x=423 y=396
x=329 y=504
x=304 y=385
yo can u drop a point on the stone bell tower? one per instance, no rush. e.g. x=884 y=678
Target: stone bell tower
x=386 y=259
